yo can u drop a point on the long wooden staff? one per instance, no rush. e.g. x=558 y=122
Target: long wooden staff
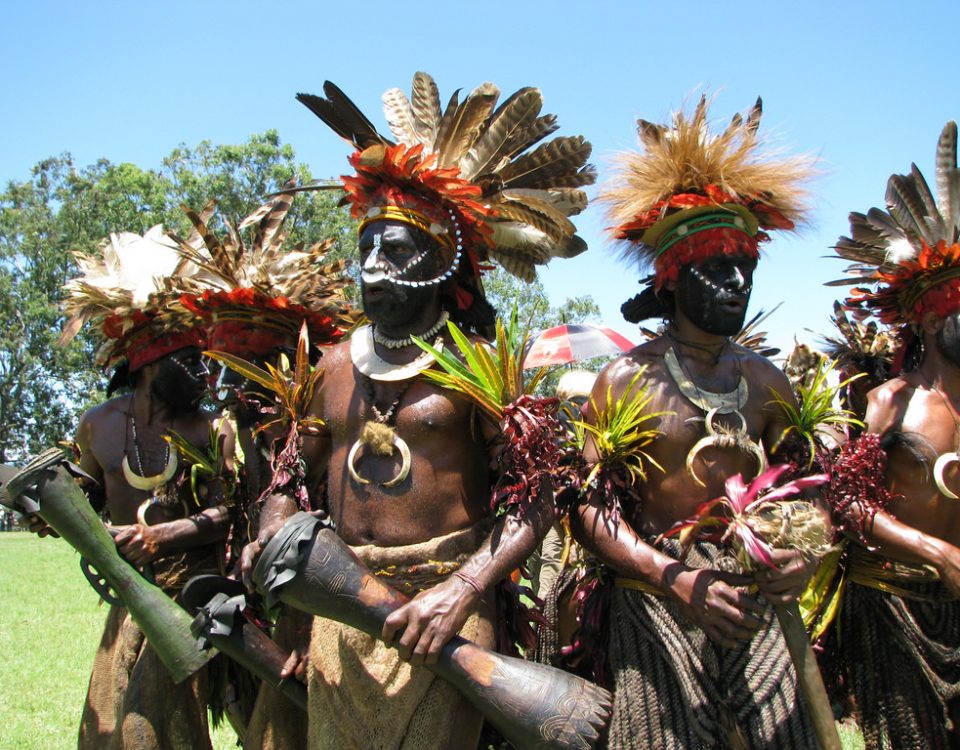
x=808 y=674
x=218 y=604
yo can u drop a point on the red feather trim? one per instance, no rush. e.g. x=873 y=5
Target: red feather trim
x=403 y=176
x=701 y=246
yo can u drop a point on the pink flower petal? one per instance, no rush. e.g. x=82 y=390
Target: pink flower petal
x=757 y=549
x=736 y=492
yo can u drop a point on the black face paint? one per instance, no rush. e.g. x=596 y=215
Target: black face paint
x=948 y=339
x=714 y=294
x=181 y=380
x=389 y=250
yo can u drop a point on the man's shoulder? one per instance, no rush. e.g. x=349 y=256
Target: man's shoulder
x=335 y=356
x=759 y=368
x=106 y=410
x=895 y=391
x=754 y=359
x=627 y=364
x=645 y=360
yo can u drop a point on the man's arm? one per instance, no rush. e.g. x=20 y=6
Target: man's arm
x=278 y=507
x=706 y=597
x=882 y=530
x=424 y=625
x=428 y=621
x=709 y=598
x=275 y=512
x=784 y=583
x=142 y=544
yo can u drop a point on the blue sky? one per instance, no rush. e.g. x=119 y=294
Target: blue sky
x=866 y=87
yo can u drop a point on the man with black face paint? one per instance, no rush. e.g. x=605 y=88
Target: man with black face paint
x=407 y=464
x=158 y=519
x=257 y=297
x=695 y=653
x=899 y=624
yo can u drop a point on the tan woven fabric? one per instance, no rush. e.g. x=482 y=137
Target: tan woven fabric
x=362 y=696
x=132 y=704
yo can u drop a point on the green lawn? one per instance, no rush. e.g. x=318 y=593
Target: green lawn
x=50 y=625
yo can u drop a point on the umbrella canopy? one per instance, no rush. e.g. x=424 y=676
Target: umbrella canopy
x=572 y=342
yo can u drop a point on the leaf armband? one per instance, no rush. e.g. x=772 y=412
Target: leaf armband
x=532 y=453
x=857 y=491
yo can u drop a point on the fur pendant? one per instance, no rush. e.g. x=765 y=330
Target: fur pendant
x=379 y=437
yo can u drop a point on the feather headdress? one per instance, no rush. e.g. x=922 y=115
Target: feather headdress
x=257 y=294
x=692 y=194
x=467 y=173
x=911 y=251
x=126 y=291
x=860 y=347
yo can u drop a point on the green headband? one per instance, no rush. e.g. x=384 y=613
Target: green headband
x=700 y=223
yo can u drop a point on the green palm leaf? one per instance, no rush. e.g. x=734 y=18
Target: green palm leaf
x=248 y=369
x=622 y=430
x=292 y=388
x=493 y=378
x=814 y=408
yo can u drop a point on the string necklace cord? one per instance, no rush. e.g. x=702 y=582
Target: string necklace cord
x=389 y=415
x=705 y=400
x=702 y=347
x=132 y=421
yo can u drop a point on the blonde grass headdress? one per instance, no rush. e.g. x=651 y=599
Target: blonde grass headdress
x=127 y=291
x=691 y=194
x=909 y=253
x=467 y=174
x=255 y=295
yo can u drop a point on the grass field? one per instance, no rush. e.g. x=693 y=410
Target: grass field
x=50 y=625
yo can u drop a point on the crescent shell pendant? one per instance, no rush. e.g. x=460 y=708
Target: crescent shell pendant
x=714 y=438
x=148 y=484
x=402 y=448
x=943 y=461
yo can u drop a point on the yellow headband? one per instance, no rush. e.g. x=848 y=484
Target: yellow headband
x=412 y=218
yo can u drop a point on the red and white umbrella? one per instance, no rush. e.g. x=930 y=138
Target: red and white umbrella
x=572 y=342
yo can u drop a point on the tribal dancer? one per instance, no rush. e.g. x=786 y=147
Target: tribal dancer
x=164 y=522
x=900 y=618
x=255 y=297
x=407 y=463
x=696 y=660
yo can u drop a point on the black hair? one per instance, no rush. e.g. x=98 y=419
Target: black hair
x=122 y=379
x=650 y=303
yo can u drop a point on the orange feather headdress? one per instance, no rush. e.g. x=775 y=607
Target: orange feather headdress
x=256 y=295
x=910 y=253
x=466 y=173
x=127 y=291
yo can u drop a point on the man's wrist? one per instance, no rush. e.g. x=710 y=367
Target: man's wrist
x=471 y=581
x=934 y=550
